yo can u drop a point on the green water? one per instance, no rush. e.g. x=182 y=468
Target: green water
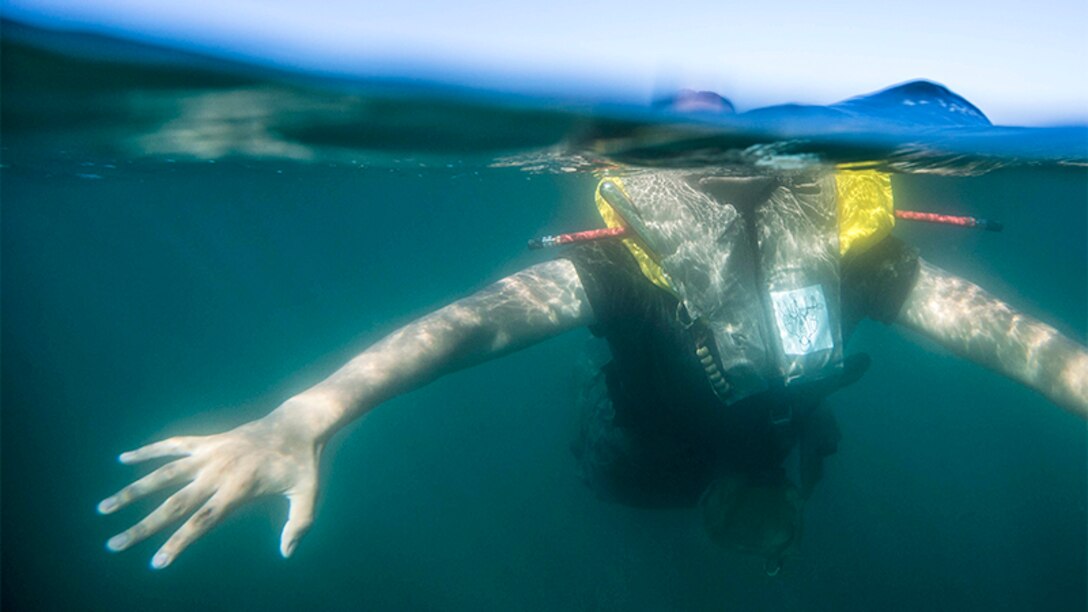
x=150 y=296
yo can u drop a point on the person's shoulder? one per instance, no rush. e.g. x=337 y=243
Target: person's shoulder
x=608 y=255
x=888 y=251
x=613 y=281
x=878 y=280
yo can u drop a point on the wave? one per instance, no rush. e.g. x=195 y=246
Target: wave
x=115 y=97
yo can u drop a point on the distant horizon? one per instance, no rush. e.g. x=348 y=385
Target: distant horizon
x=1019 y=66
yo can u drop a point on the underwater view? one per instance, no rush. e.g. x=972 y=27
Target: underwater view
x=191 y=243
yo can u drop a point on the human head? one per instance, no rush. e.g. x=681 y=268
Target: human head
x=691 y=101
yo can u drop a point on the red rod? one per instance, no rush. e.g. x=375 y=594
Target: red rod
x=561 y=239
x=985 y=224
x=909 y=215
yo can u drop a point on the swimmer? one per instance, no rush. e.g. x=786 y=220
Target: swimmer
x=727 y=313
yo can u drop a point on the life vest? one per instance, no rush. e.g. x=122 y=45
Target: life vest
x=866 y=212
x=753 y=259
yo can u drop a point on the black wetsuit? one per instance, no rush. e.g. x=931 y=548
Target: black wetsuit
x=660 y=435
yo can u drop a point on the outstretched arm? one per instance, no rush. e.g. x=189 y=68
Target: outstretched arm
x=513 y=313
x=279 y=454
x=968 y=321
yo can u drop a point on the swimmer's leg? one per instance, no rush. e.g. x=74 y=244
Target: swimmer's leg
x=754 y=513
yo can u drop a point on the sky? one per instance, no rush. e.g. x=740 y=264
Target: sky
x=1022 y=63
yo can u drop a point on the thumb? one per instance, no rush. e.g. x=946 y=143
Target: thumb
x=299 y=517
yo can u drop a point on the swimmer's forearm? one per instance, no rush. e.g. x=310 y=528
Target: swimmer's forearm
x=970 y=322
x=517 y=311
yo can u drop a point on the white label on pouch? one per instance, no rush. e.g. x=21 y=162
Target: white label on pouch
x=803 y=324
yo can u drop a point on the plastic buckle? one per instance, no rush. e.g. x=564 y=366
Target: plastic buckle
x=683 y=317
x=781 y=414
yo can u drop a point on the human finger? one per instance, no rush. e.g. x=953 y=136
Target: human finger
x=209 y=515
x=299 y=517
x=171 y=447
x=176 y=506
x=170 y=474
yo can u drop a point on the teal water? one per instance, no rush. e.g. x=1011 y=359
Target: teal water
x=148 y=293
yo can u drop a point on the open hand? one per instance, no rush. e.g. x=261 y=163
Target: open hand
x=219 y=472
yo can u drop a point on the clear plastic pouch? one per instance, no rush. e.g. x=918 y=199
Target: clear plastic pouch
x=754 y=259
